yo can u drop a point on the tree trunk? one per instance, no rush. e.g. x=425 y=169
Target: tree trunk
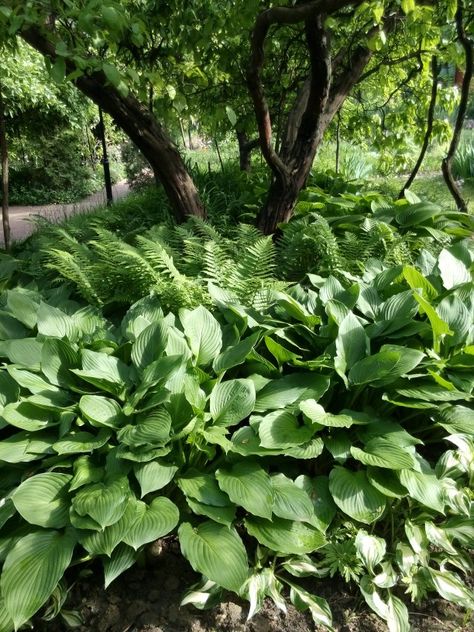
x=140 y=126
x=429 y=126
x=446 y=164
x=5 y=184
x=245 y=150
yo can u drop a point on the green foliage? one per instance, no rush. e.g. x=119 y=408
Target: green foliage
x=463 y=164
x=270 y=440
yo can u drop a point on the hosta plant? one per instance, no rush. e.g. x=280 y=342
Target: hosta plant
x=330 y=434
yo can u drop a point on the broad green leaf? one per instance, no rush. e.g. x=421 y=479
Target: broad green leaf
x=104 y=541
x=290 y=501
x=31 y=381
x=453 y=271
x=203 y=488
x=154 y=476
x=104 y=503
x=10 y=329
x=80 y=442
x=232 y=401
x=122 y=558
x=290 y=389
x=150 y=344
x=355 y=496
x=418 y=282
x=157 y=520
x=285 y=536
x=222 y=515
x=425 y=488
x=217 y=552
x=25 y=352
x=32 y=570
x=249 y=486
x=235 y=355
x=352 y=344
x=58 y=357
x=55 y=323
x=9 y=389
x=152 y=430
x=279 y=352
x=385 y=454
x=27 y=416
x=457 y=419
x=386 y=481
x=203 y=333
x=58 y=70
x=324 y=508
x=43 y=499
x=25 y=447
x=85 y=473
x=23 y=308
x=438 y=326
x=281 y=429
x=384 y=367
x=318 y=415
x=104 y=371
x=246 y=442
x=101 y=411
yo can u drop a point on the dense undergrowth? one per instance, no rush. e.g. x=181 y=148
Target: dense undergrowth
x=290 y=409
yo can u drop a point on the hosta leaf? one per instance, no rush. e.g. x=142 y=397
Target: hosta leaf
x=232 y=401
x=397 y=615
x=235 y=355
x=457 y=419
x=370 y=549
x=324 y=508
x=42 y=499
x=27 y=416
x=122 y=558
x=26 y=352
x=452 y=270
x=285 y=536
x=101 y=411
x=386 y=366
x=157 y=520
x=104 y=503
x=247 y=443
x=318 y=607
x=104 y=371
x=290 y=501
x=32 y=570
x=280 y=429
x=154 y=475
x=290 y=389
x=11 y=328
x=80 y=442
x=383 y=453
x=386 y=481
x=203 y=488
x=150 y=344
x=450 y=587
x=32 y=381
x=249 y=486
x=22 y=307
x=58 y=357
x=151 y=430
x=222 y=515
x=425 y=488
x=352 y=344
x=104 y=541
x=24 y=446
x=203 y=333
x=439 y=327
x=85 y=472
x=215 y=551
x=9 y=389
x=417 y=281
x=55 y=323
x=355 y=496
x=318 y=415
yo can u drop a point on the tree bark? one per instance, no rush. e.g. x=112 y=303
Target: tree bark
x=140 y=126
x=429 y=126
x=5 y=174
x=446 y=165
x=318 y=101
x=245 y=150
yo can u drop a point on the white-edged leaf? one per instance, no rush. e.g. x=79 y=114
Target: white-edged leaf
x=370 y=549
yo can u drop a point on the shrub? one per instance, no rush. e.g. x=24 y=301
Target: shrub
x=328 y=433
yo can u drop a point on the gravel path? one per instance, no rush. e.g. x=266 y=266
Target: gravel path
x=20 y=216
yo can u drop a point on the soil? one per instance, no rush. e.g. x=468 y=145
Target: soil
x=147 y=600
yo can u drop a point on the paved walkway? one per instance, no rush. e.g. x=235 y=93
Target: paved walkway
x=21 y=224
